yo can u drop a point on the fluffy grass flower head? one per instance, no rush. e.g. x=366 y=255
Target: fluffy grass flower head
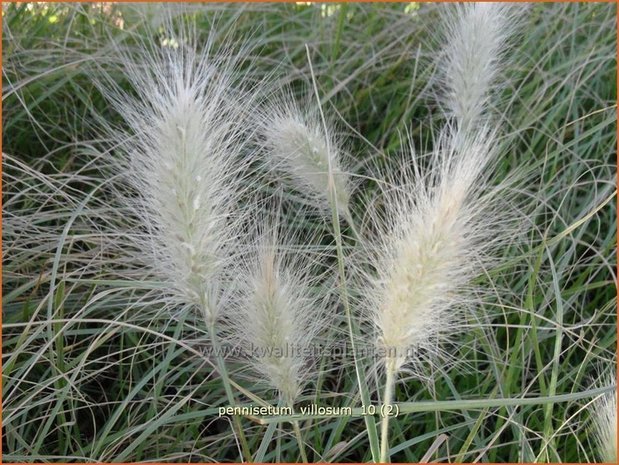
x=180 y=156
x=280 y=314
x=605 y=424
x=298 y=144
x=475 y=36
x=435 y=234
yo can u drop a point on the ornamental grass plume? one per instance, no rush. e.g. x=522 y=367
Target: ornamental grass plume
x=299 y=144
x=442 y=228
x=181 y=155
x=443 y=221
x=280 y=314
x=475 y=37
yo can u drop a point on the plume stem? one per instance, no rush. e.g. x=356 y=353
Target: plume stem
x=353 y=332
x=390 y=378
x=297 y=433
x=223 y=373
x=370 y=423
x=353 y=229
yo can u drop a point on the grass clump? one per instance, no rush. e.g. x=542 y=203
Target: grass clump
x=475 y=172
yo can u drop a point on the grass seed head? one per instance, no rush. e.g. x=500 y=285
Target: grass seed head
x=296 y=143
x=279 y=313
x=605 y=424
x=437 y=232
x=476 y=37
x=180 y=156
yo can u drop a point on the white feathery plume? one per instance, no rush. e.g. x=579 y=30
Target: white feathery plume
x=297 y=143
x=180 y=156
x=604 y=411
x=439 y=230
x=441 y=225
x=279 y=313
x=475 y=36
x=279 y=316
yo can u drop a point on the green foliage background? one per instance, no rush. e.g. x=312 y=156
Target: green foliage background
x=124 y=389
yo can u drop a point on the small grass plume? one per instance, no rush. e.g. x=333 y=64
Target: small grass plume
x=279 y=315
x=280 y=311
x=475 y=37
x=296 y=143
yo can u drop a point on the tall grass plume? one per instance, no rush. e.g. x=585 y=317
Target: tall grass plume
x=180 y=169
